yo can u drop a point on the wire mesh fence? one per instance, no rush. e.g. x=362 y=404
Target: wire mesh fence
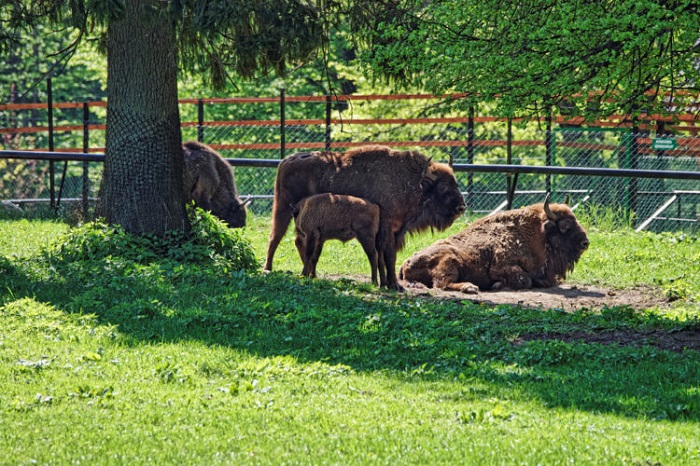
x=317 y=124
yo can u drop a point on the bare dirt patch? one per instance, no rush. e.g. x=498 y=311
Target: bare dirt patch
x=566 y=297
x=571 y=298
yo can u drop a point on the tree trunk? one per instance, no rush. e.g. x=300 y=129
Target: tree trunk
x=143 y=173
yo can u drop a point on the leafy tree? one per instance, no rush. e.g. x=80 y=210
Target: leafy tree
x=594 y=58
x=147 y=42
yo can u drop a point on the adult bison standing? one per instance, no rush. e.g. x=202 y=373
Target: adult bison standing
x=517 y=249
x=413 y=193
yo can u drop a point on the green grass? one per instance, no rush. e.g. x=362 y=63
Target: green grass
x=139 y=359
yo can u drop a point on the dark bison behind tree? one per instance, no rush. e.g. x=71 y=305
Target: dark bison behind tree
x=518 y=249
x=209 y=182
x=413 y=193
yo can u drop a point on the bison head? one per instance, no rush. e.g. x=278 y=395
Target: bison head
x=233 y=213
x=566 y=239
x=442 y=201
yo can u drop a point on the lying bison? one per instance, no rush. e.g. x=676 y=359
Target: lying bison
x=327 y=216
x=532 y=247
x=209 y=182
x=413 y=193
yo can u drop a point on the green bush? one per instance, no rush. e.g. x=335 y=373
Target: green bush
x=209 y=242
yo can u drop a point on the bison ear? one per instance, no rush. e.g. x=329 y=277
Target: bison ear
x=428 y=177
x=549 y=226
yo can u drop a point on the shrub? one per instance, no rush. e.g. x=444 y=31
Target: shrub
x=209 y=242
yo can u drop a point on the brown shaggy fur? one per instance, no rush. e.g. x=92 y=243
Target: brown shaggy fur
x=209 y=182
x=327 y=216
x=412 y=192
x=516 y=249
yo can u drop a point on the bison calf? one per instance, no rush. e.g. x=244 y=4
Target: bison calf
x=531 y=247
x=209 y=183
x=329 y=216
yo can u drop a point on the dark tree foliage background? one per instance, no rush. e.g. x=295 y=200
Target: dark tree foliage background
x=592 y=58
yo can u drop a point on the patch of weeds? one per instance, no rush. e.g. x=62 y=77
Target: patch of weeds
x=209 y=242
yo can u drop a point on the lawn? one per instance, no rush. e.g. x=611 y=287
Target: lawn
x=113 y=354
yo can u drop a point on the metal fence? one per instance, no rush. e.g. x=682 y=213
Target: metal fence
x=317 y=123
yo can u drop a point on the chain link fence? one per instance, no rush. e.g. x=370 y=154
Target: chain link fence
x=307 y=124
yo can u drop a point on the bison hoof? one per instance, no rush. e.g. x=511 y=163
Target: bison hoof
x=396 y=287
x=469 y=288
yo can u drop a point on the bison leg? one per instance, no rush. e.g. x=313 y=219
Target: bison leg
x=462 y=287
x=514 y=278
x=392 y=281
x=300 y=243
x=369 y=245
x=446 y=277
x=386 y=248
x=382 y=268
x=314 y=246
x=281 y=216
x=545 y=282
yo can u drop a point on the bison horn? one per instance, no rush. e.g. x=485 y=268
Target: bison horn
x=547 y=210
x=247 y=201
x=567 y=199
x=451 y=162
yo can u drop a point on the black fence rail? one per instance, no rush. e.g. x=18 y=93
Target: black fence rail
x=504 y=198
x=499 y=162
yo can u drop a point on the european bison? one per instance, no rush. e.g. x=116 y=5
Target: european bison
x=413 y=193
x=531 y=247
x=330 y=216
x=209 y=182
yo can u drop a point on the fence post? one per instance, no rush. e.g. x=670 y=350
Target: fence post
x=470 y=154
x=86 y=148
x=624 y=162
x=200 y=120
x=282 y=123
x=52 y=188
x=510 y=187
x=328 y=123
x=549 y=150
x=633 y=164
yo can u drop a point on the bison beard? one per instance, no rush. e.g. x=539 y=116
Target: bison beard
x=412 y=192
x=517 y=249
x=209 y=183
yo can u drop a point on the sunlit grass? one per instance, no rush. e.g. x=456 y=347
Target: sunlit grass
x=120 y=360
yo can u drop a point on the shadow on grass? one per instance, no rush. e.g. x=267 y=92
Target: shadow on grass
x=371 y=330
